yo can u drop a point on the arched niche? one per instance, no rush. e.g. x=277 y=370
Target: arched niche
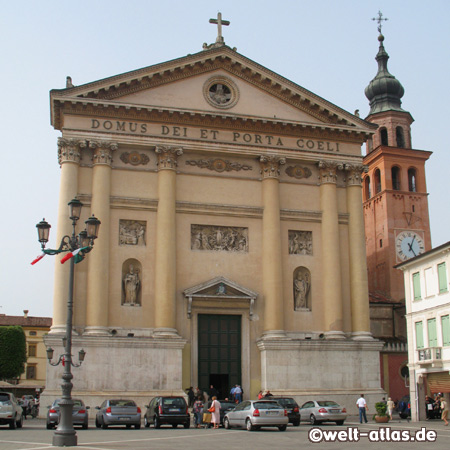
x=131 y=282
x=302 y=289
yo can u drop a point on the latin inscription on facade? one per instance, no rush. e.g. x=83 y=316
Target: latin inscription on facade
x=206 y=134
x=300 y=242
x=212 y=237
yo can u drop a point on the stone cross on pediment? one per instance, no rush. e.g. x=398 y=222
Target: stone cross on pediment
x=219 y=22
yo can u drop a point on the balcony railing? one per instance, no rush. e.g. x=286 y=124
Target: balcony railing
x=432 y=355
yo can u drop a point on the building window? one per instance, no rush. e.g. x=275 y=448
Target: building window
x=384 y=136
x=442 y=277
x=381 y=243
x=33 y=333
x=31 y=350
x=445 y=325
x=367 y=187
x=412 y=180
x=419 y=335
x=395 y=178
x=416 y=286
x=377 y=181
x=429 y=282
x=31 y=372
x=400 y=137
x=432 y=334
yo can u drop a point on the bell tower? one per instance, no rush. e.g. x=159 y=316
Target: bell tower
x=396 y=217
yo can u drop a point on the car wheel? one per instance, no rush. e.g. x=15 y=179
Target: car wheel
x=226 y=423
x=296 y=423
x=157 y=422
x=146 y=422
x=12 y=424
x=282 y=427
x=85 y=426
x=174 y=425
x=19 y=423
x=97 y=423
x=137 y=426
x=339 y=422
x=187 y=425
x=49 y=426
x=313 y=420
x=104 y=426
x=128 y=426
x=249 y=425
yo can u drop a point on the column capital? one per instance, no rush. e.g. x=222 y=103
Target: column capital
x=168 y=157
x=103 y=151
x=270 y=166
x=354 y=172
x=69 y=150
x=328 y=171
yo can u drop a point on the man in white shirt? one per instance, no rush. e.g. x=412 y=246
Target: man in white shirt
x=362 y=406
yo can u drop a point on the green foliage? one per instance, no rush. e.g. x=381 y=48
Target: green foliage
x=13 y=352
x=381 y=408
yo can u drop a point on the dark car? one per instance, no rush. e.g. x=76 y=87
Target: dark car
x=225 y=406
x=80 y=414
x=291 y=406
x=167 y=411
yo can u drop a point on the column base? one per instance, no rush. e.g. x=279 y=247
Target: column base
x=362 y=336
x=274 y=334
x=333 y=334
x=166 y=332
x=57 y=329
x=67 y=439
x=96 y=331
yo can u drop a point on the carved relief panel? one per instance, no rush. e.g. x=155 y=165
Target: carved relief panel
x=212 y=237
x=132 y=232
x=300 y=242
x=131 y=283
x=302 y=289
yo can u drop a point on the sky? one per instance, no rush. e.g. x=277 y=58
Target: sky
x=325 y=46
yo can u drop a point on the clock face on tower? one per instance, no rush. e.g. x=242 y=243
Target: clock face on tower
x=408 y=244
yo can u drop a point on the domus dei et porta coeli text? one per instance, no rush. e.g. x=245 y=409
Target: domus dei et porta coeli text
x=232 y=246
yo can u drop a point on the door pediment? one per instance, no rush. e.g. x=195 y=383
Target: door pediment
x=220 y=293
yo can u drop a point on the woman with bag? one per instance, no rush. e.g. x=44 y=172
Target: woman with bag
x=215 y=412
x=198 y=412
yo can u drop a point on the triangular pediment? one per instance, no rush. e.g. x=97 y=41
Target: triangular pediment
x=220 y=287
x=180 y=87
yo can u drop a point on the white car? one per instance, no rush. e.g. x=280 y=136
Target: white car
x=10 y=411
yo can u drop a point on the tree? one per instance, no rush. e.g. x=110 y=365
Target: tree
x=13 y=352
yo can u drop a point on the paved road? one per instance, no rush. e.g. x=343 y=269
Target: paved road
x=34 y=436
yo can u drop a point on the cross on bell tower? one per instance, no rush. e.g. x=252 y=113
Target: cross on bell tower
x=219 y=22
x=380 y=19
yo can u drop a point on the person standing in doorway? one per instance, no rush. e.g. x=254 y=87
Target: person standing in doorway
x=362 y=406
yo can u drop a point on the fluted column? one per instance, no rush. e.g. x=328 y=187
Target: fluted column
x=357 y=248
x=98 y=270
x=331 y=253
x=165 y=263
x=69 y=152
x=271 y=247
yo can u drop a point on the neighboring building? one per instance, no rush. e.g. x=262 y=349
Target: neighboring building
x=428 y=324
x=396 y=219
x=231 y=248
x=35 y=328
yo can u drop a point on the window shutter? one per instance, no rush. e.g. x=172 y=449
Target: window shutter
x=442 y=276
x=445 y=322
x=432 y=335
x=419 y=335
x=416 y=286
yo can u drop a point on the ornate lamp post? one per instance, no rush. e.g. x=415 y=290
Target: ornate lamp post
x=77 y=247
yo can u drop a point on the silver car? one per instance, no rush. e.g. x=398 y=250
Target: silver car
x=254 y=414
x=318 y=411
x=80 y=415
x=10 y=411
x=118 y=412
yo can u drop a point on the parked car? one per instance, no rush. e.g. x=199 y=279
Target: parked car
x=10 y=411
x=318 y=411
x=254 y=414
x=118 y=412
x=292 y=408
x=80 y=415
x=225 y=406
x=167 y=410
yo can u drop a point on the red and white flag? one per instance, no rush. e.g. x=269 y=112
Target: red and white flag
x=38 y=258
x=72 y=254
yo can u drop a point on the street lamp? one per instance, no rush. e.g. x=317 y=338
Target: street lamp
x=77 y=247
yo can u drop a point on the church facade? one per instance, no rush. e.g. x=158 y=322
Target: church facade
x=231 y=248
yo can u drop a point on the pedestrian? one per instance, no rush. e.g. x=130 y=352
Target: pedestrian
x=429 y=405
x=260 y=395
x=191 y=396
x=215 y=412
x=198 y=412
x=444 y=409
x=213 y=392
x=25 y=406
x=232 y=394
x=390 y=406
x=268 y=394
x=362 y=405
x=238 y=394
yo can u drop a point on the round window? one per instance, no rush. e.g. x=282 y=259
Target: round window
x=221 y=92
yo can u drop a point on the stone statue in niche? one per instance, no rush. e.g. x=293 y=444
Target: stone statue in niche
x=131 y=286
x=211 y=237
x=132 y=232
x=300 y=242
x=302 y=287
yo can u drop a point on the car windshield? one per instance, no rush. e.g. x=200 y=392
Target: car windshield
x=266 y=405
x=4 y=398
x=177 y=402
x=78 y=403
x=327 y=403
x=122 y=403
